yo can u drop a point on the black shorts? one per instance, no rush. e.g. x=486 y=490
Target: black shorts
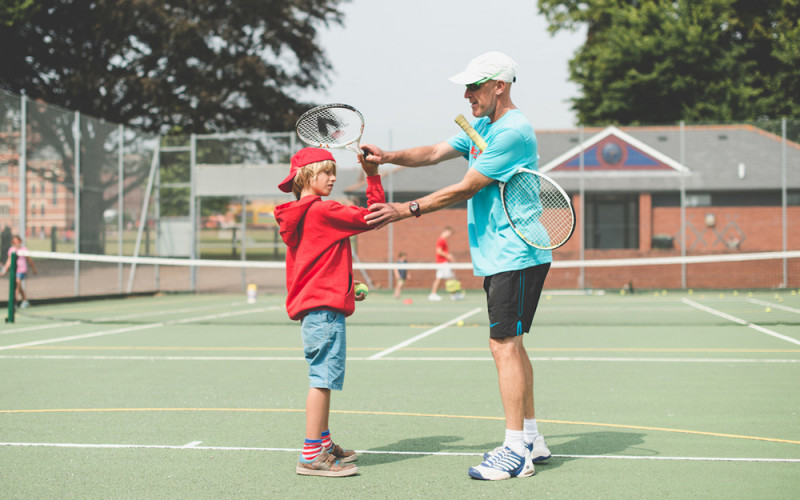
x=512 y=297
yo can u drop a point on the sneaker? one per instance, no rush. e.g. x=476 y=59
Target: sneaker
x=490 y=453
x=435 y=297
x=325 y=465
x=539 y=450
x=344 y=456
x=25 y=304
x=503 y=464
x=457 y=296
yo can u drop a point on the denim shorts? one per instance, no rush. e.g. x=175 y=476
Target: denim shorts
x=324 y=345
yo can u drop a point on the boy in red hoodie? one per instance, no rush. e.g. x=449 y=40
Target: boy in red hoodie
x=319 y=281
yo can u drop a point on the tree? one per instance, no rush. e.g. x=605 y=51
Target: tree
x=201 y=65
x=194 y=66
x=663 y=61
x=16 y=11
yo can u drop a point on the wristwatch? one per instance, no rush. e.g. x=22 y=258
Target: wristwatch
x=414 y=208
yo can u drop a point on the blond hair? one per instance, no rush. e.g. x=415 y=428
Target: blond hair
x=309 y=172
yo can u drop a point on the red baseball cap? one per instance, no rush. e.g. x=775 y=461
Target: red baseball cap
x=305 y=156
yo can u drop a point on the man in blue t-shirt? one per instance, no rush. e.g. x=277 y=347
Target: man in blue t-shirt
x=514 y=272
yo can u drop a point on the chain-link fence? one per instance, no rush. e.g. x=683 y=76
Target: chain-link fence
x=76 y=184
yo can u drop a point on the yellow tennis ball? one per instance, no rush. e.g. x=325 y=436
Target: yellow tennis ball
x=460 y=322
x=361 y=289
x=768 y=309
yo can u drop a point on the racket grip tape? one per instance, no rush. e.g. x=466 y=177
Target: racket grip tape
x=477 y=139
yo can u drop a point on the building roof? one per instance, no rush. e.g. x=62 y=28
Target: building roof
x=712 y=158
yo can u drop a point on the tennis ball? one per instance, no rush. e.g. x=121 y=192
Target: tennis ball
x=768 y=309
x=460 y=322
x=361 y=289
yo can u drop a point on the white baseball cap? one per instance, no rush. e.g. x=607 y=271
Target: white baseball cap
x=488 y=66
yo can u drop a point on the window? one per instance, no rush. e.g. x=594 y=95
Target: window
x=612 y=221
x=698 y=200
x=55 y=193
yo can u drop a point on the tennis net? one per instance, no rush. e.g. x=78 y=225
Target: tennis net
x=756 y=282
x=759 y=288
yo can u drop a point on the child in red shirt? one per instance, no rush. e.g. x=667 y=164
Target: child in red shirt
x=319 y=282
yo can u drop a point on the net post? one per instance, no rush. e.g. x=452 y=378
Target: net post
x=12 y=287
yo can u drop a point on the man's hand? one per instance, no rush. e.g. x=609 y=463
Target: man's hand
x=373 y=153
x=384 y=213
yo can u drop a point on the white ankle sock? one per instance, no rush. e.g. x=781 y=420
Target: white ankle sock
x=515 y=440
x=531 y=430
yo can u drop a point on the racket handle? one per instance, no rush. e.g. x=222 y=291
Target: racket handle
x=477 y=139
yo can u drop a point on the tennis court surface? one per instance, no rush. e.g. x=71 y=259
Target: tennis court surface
x=656 y=394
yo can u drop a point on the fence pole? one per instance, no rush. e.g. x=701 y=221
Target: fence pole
x=784 y=202
x=683 y=205
x=582 y=213
x=120 y=205
x=76 y=132
x=23 y=167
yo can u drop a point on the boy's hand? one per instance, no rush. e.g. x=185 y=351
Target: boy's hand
x=370 y=168
x=359 y=296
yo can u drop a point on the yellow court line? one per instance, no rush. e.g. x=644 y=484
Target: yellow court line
x=425 y=349
x=401 y=414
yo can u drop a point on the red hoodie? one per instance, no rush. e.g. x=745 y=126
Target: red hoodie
x=319 y=261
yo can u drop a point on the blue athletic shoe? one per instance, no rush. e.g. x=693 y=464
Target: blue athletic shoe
x=503 y=463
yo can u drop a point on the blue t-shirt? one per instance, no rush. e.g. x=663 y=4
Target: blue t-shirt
x=493 y=244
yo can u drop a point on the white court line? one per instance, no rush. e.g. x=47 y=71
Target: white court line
x=194 y=446
x=776 y=306
x=41 y=327
x=425 y=334
x=739 y=321
x=106 y=319
x=135 y=328
x=396 y=358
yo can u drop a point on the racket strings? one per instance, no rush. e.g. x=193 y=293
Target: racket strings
x=330 y=127
x=538 y=210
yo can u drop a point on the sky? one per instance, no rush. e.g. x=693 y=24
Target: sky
x=392 y=61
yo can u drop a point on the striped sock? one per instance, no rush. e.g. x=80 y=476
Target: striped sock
x=327 y=442
x=311 y=449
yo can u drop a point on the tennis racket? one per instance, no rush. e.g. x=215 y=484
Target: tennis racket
x=539 y=211
x=332 y=126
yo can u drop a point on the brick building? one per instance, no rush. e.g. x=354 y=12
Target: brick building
x=49 y=202
x=633 y=179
